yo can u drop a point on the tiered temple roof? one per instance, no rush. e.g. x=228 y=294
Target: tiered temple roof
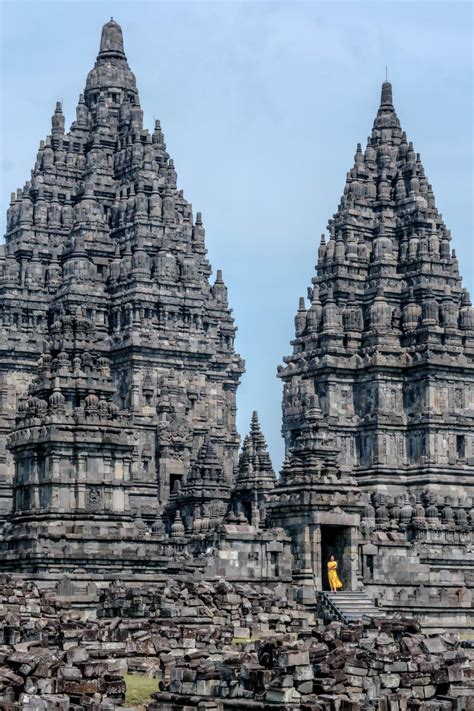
x=387 y=340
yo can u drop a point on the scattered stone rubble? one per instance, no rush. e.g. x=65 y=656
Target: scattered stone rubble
x=53 y=656
x=387 y=665
x=218 y=647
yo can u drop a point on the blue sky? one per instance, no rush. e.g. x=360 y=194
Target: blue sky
x=262 y=105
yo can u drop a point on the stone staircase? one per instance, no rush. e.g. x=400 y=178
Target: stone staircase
x=348 y=606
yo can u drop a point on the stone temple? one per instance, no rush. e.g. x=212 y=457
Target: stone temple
x=119 y=454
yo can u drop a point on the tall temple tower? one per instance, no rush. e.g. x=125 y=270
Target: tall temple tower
x=117 y=354
x=378 y=401
x=386 y=344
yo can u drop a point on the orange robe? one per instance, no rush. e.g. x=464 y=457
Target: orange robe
x=333 y=577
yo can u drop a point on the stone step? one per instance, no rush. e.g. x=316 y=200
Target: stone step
x=344 y=600
x=355 y=610
x=343 y=593
x=348 y=596
x=357 y=607
x=353 y=605
x=336 y=601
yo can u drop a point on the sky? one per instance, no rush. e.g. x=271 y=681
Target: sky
x=262 y=105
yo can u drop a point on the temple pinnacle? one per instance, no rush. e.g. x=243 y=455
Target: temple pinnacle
x=386 y=94
x=111 y=41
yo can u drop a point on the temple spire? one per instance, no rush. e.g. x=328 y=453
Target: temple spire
x=386 y=98
x=255 y=478
x=386 y=224
x=111 y=78
x=255 y=462
x=111 y=41
x=57 y=120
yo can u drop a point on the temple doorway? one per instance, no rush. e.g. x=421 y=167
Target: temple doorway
x=335 y=540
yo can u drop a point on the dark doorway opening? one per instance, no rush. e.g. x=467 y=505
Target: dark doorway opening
x=335 y=540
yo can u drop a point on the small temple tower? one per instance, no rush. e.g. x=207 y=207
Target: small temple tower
x=255 y=478
x=318 y=504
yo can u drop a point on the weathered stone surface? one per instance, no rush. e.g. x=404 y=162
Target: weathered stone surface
x=117 y=352
x=119 y=449
x=351 y=674
x=377 y=400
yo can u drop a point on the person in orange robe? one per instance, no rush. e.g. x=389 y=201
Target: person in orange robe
x=334 y=582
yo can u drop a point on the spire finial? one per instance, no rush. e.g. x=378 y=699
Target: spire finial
x=111 y=41
x=386 y=95
x=57 y=120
